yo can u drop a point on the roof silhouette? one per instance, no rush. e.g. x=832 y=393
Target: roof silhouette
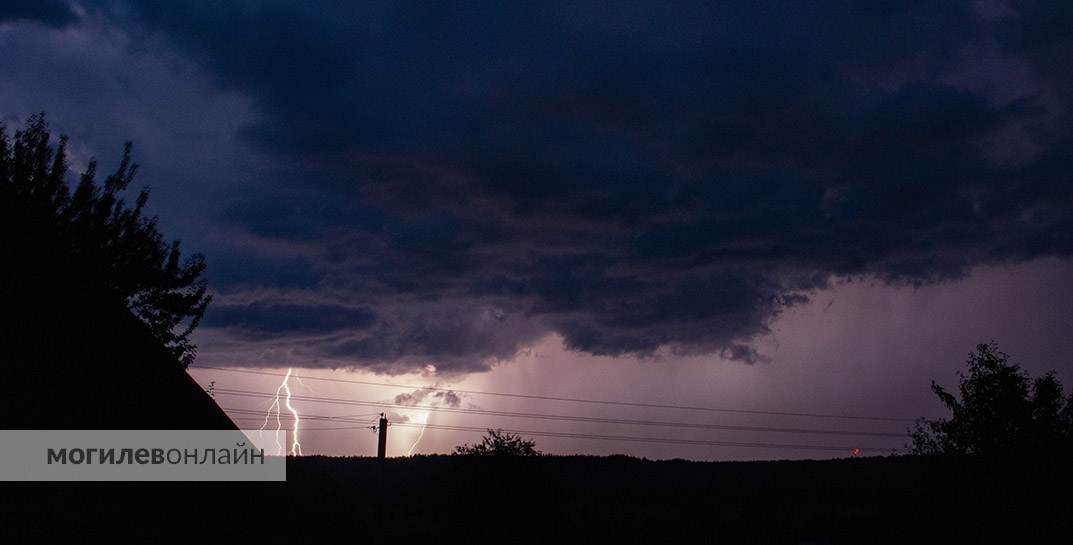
x=77 y=358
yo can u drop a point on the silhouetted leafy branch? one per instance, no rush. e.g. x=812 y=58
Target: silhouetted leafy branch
x=998 y=409
x=101 y=237
x=499 y=443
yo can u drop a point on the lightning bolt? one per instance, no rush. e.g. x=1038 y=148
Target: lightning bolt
x=279 y=425
x=424 y=426
x=304 y=385
x=276 y=406
x=422 y=418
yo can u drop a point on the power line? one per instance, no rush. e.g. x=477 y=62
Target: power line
x=568 y=399
x=599 y=437
x=665 y=440
x=289 y=418
x=561 y=417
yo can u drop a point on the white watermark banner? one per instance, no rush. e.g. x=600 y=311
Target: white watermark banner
x=141 y=455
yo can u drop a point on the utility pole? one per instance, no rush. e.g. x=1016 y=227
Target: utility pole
x=381 y=444
x=381 y=452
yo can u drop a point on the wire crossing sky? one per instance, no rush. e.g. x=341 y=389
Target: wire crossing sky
x=574 y=417
x=408 y=406
x=567 y=399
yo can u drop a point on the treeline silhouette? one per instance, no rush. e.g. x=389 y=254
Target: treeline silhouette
x=92 y=236
x=553 y=499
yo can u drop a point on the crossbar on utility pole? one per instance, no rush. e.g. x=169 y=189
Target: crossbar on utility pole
x=381 y=443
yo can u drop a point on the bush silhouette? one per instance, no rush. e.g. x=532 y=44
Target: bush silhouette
x=499 y=443
x=998 y=409
x=93 y=236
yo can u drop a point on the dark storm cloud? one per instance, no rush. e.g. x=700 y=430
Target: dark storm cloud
x=283 y=318
x=53 y=13
x=455 y=336
x=634 y=177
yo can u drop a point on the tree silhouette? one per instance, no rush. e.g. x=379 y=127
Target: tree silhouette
x=96 y=237
x=999 y=409
x=499 y=443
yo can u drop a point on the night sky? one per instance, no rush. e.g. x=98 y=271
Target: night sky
x=812 y=207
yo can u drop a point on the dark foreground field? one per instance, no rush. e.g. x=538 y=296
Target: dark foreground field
x=553 y=499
